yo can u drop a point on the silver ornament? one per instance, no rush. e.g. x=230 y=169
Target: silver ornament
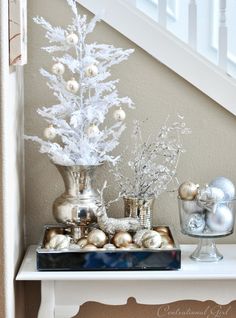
x=72 y=86
x=188 y=190
x=50 y=132
x=191 y=206
x=225 y=185
x=221 y=221
x=208 y=197
x=151 y=239
x=122 y=239
x=82 y=242
x=97 y=238
x=119 y=114
x=58 y=69
x=72 y=39
x=138 y=237
x=90 y=247
x=91 y=70
x=194 y=223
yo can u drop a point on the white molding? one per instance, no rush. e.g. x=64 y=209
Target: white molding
x=165 y=47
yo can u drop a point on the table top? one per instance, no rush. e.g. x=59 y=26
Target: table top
x=190 y=270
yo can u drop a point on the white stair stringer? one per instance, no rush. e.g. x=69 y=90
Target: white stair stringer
x=169 y=50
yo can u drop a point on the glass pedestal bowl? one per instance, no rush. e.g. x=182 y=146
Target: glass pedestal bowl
x=208 y=223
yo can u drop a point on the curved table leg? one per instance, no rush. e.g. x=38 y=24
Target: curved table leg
x=47 y=306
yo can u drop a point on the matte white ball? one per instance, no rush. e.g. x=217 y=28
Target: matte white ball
x=221 y=220
x=72 y=39
x=72 y=86
x=93 y=131
x=91 y=70
x=58 y=69
x=225 y=185
x=119 y=114
x=50 y=132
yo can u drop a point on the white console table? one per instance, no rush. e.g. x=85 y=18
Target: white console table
x=62 y=293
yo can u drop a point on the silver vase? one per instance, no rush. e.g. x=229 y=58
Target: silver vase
x=139 y=208
x=78 y=204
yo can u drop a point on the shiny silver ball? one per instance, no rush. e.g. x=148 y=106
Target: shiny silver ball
x=151 y=239
x=195 y=223
x=220 y=221
x=225 y=185
x=90 y=247
x=97 y=237
x=191 y=206
x=138 y=237
x=109 y=246
x=188 y=190
x=82 y=242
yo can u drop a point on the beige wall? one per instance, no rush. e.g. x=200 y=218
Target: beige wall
x=156 y=91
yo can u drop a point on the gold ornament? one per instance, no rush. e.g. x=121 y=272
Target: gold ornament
x=162 y=229
x=132 y=246
x=97 y=238
x=91 y=70
x=82 y=242
x=188 y=190
x=72 y=86
x=50 y=132
x=122 y=239
x=119 y=114
x=72 y=39
x=151 y=239
x=90 y=247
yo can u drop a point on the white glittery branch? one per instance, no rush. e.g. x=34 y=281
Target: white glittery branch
x=153 y=163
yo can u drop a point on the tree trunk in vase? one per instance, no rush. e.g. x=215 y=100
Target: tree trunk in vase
x=78 y=204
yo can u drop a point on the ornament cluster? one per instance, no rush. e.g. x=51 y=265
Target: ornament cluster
x=207 y=211
x=158 y=238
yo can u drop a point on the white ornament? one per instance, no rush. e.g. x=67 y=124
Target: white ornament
x=93 y=131
x=72 y=39
x=58 y=69
x=109 y=246
x=50 y=132
x=138 y=236
x=59 y=241
x=91 y=70
x=221 y=221
x=119 y=114
x=225 y=185
x=72 y=86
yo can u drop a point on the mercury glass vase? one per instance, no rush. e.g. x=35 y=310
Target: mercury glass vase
x=140 y=208
x=78 y=204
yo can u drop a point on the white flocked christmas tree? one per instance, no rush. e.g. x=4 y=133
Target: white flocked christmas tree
x=76 y=132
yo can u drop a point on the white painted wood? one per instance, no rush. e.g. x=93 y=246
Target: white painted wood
x=64 y=292
x=192 y=24
x=223 y=37
x=47 y=306
x=168 y=50
x=224 y=270
x=162 y=13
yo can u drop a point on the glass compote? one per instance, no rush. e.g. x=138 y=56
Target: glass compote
x=207 y=224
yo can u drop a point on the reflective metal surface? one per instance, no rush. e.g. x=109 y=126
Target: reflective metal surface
x=78 y=204
x=139 y=208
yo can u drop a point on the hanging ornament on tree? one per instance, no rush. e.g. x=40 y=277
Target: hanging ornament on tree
x=91 y=70
x=50 y=132
x=58 y=69
x=72 y=39
x=72 y=86
x=119 y=114
x=93 y=131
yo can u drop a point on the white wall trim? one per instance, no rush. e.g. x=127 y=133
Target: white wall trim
x=165 y=47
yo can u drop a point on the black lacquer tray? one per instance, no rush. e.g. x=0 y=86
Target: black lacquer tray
x=107 y=260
